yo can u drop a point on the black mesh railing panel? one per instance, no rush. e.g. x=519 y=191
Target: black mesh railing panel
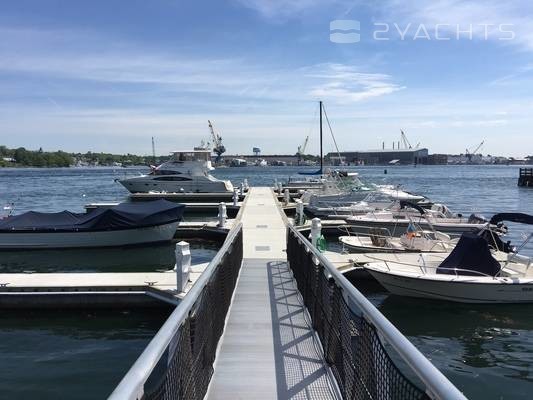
x=352 y=347
x=187 y=367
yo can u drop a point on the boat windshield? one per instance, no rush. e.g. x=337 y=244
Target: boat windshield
x=191 y=156
x=164 y=172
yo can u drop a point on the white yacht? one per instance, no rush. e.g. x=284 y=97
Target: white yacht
x=188 y=171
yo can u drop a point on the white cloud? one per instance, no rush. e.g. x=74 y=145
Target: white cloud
x=344 y=83
x=165 y=76
x=479 y=123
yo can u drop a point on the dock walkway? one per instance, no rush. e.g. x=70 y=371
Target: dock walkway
x=268 y=349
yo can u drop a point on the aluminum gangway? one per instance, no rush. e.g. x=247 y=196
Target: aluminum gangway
x=272 y=318
x=268 y=349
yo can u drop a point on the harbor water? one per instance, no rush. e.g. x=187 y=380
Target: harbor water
x=486 y=350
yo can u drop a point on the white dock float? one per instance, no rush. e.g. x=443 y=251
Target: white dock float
x=160 y=285
x=268 y=348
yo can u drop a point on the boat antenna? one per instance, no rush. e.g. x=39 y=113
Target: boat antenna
x=153 y=150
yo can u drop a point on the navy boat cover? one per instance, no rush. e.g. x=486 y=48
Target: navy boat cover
x=471 y=253
x=512 y=217
x=121 y=216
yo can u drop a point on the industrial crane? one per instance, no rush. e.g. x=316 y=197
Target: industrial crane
x=470 y=153
x=301 y=149
x=405 y=141
x=218 y=147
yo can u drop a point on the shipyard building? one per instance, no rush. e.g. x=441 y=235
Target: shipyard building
x=381 y=157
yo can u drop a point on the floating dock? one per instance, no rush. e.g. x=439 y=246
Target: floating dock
x=99 y=289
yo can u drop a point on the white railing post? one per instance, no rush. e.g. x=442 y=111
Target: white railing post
x=286 y=197
x=246 y=186
x=222 y=214
x=280 y=188
x=241 y=189
x=316 y=230
x=299 y=212
x=183 y=265
x=235 y=197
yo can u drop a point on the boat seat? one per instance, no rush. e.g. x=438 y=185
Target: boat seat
x=519 y=259
x=377 y=236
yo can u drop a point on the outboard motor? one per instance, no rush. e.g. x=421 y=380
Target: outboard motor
x=480 y=219
x=477 y=219
x=494 y=241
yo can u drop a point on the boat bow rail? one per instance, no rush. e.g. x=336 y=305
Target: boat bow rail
x=357 y=339
x=178 y=362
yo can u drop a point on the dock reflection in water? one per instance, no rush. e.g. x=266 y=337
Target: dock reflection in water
x=124 y=259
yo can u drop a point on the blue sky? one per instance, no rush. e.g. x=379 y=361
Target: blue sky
x=108 y=75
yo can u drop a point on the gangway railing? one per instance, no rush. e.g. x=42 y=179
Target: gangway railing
x=178 y=361
x=362 y=348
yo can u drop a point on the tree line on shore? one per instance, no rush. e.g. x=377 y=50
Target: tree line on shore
x=22 y=157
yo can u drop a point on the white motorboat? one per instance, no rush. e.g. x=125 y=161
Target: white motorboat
x=121 y=225
x=188 y=171
x=340 y=198
x=414 y=241
x=437 y=218
x=238 y=162
x=470 y=274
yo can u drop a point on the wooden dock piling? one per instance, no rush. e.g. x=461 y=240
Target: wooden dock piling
x=526 y=177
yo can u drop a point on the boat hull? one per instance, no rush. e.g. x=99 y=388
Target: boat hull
x=480 y=290
x=87 y=239
x=195 y=185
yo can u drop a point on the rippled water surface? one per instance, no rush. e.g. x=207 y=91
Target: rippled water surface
x=487 y=351
x=81 y=354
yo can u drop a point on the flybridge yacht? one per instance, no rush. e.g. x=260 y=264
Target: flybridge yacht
x=187 y=171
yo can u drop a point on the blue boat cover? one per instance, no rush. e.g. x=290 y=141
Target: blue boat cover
x=121 y=216
x=318 y=172
x=471 y=253
x=512 y=217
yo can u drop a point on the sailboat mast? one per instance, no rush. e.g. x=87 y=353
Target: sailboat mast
x=321 y=153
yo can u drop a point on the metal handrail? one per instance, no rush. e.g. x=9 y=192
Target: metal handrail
x=130 y=387
x=437 y=385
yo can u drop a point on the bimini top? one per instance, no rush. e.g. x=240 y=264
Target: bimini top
x=121 y=216
x=470 y=255
x=512 y=217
